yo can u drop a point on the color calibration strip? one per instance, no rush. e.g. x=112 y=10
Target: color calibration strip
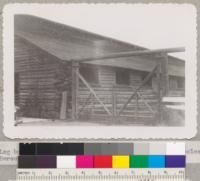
x=102 y=149
x=102 y=155
x=89 y=161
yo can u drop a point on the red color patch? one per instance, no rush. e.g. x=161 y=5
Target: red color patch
x=103 y=162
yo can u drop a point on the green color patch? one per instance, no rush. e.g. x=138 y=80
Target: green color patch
x=138 y=161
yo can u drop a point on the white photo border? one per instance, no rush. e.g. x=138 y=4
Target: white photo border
x=90 y=132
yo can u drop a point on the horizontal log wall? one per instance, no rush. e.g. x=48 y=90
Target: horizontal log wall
x=41 y=79
x=106 y=77
x=37 y=74
x=107 y=87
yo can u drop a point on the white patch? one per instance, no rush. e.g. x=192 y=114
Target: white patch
x=175 y=149
x=66 y=161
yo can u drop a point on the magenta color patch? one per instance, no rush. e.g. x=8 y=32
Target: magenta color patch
x=84 y=161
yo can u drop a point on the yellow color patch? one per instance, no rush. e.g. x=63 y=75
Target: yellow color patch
x=120 y=161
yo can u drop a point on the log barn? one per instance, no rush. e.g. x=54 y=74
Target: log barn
x=65 y=73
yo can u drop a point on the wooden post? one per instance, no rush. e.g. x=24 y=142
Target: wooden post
x=159 y=92
x=137 y=103
x=114 y=104
x=92 y=106
x=75 y=87
x=165 y=74
x=63 y=107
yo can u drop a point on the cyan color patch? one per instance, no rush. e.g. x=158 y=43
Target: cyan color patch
x=156 y=161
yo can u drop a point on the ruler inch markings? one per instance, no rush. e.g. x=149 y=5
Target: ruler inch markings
x=100 y=174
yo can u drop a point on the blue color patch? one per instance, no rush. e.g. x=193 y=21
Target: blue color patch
x=175 y=161
x=156 y=161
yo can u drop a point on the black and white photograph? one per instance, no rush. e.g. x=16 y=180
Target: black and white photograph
x=99 y=70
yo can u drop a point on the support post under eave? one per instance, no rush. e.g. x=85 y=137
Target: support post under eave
x=114 y=104
x=159 y=92
x=165 y=74
x=75 y=88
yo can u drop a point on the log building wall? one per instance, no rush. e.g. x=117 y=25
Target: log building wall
x=36 y=76
x=40 y=79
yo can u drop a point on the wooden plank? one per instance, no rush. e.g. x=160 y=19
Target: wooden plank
x=63 y=109
x=176 y=107
x=137 y=105
x=93 y=92
x=174 y=99
x=75 y=87
x=130 y=54
x=114 y=103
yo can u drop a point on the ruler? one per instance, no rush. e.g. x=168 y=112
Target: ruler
x=143 y=174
